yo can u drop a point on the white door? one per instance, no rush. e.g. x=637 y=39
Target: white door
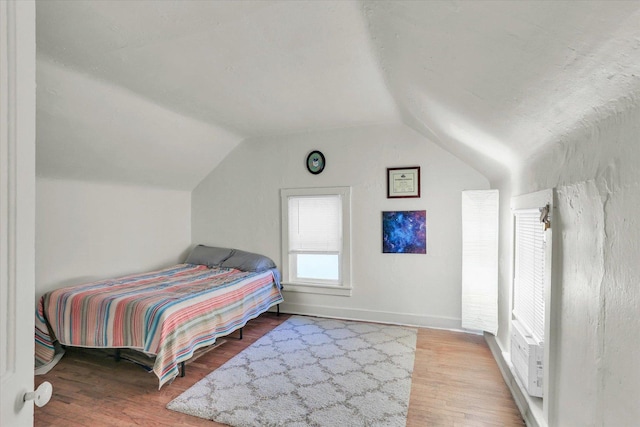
x=17 y=209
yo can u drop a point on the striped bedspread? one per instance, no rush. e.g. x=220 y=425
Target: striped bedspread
x=167 y=313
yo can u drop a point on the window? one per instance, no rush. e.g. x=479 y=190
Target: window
x=480 y=212
x=316 y=224
x=529 y=272
x=534 y=312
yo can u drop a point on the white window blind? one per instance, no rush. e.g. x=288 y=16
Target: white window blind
x=529 y=275
x=480 y=260
x=315 y=224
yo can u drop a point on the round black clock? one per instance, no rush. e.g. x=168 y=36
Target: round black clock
x=315 y=162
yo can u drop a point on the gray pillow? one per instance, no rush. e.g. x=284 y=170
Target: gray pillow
x=247 y=261
x=208 y=255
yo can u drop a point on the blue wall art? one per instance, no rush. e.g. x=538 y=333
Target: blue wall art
x=404 y=232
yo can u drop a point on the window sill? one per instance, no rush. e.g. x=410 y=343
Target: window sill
x=311 y=288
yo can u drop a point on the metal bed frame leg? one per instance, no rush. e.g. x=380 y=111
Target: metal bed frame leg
x=182 y=369
x=240 y=334
x=278 y=310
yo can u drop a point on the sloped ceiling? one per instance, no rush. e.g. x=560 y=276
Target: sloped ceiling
x=159 y=92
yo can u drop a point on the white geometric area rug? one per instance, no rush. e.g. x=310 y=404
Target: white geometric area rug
x=311 y=372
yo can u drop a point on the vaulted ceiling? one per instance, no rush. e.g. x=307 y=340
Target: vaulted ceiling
x=159 y=92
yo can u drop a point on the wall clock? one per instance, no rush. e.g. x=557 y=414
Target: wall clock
x=315 y=162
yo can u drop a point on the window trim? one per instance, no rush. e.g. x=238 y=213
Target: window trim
x=318 y=286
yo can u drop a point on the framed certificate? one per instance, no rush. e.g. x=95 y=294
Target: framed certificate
x=403 y=182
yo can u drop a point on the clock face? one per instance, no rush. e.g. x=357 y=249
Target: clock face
x=315 y=162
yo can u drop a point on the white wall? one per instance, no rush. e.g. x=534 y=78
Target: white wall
x=595 y=170
x=87 y=231
x=238 y=205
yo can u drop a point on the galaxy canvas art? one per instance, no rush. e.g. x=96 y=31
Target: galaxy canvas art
x=404 y=232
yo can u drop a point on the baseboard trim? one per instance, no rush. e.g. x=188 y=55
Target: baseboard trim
x=519 y=395
x=436 y=322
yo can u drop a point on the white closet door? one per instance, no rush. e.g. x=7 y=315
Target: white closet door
x=17 y=209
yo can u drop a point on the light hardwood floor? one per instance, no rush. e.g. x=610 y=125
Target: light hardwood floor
x=456 y=382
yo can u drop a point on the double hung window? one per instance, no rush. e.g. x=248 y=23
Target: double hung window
x=529 y=272
x=316 y=240
x=535 y=307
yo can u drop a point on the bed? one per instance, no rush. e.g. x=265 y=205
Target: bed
x=167 y=314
